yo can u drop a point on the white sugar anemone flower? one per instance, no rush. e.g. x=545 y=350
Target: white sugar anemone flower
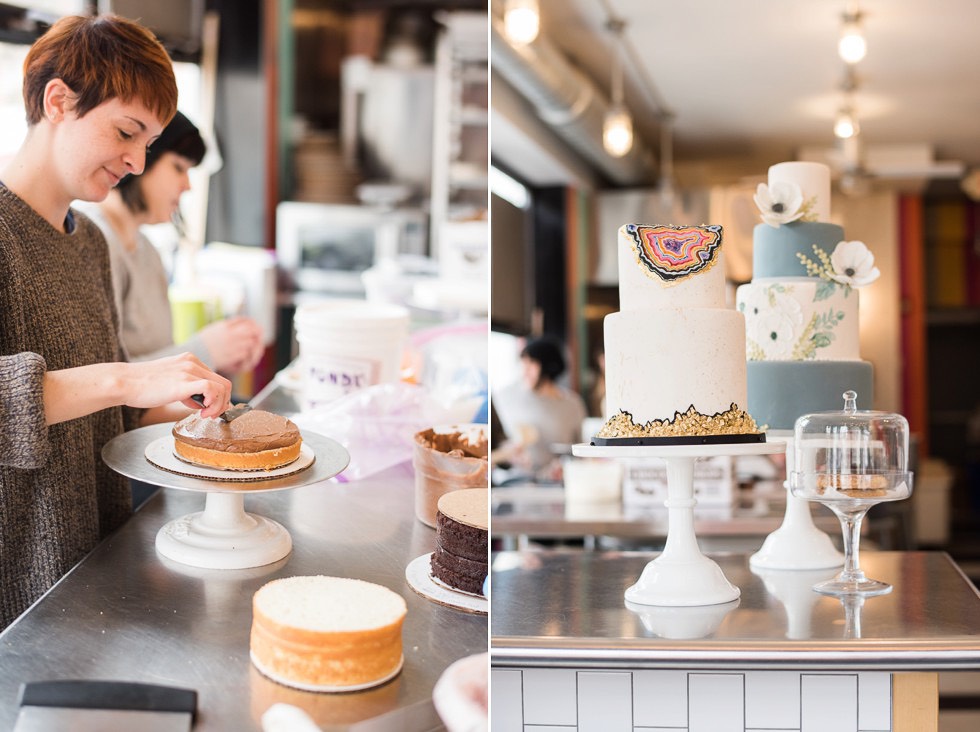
x=779 y=203
x=853 y=264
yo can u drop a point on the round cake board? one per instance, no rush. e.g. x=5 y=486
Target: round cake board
x=161 y=453
x=696 y=451
x=420 y=579
x=325 y=688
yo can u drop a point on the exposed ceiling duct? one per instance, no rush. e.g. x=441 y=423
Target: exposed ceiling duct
x=569 y=103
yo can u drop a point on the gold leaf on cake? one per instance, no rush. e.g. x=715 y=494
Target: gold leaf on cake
x=733 y=421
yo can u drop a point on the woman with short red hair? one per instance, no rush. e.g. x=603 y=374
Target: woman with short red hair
x=98 y=92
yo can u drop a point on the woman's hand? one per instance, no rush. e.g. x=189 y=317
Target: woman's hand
x=174 y=379
x=235 y=344
x=76 y=392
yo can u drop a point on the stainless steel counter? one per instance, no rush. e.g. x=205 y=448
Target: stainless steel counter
x=551 y=608
x=126 y=613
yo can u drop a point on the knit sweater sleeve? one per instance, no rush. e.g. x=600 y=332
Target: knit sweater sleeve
x=24 y=442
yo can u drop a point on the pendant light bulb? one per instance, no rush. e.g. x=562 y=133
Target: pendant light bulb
x=852 y=46
x=846 y=124
x=617 y=131
x=522 y=20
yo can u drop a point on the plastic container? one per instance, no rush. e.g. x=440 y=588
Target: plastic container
x=348 y=345
x=592 y=480
x=446 y=459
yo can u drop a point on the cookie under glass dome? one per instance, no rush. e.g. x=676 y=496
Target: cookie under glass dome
x=849 y=461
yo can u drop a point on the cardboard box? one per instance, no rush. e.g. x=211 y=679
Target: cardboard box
x=645 y=481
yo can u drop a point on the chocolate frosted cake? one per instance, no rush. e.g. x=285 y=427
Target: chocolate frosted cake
x=257 y=440
x=462 y=540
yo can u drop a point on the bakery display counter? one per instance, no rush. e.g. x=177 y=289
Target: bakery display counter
x=126 y=613
x=781 y=656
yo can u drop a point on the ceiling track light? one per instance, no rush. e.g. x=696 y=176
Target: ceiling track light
x=852 y=47
x=522 y=21
x=617 y=126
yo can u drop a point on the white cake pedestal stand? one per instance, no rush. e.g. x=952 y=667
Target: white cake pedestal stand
x=681 y=576
x=223 y=535
x=797 y=543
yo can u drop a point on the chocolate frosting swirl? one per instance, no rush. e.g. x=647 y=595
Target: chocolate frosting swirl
x=254 y=431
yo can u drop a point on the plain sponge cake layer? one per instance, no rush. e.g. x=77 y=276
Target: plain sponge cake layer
x=329 y=632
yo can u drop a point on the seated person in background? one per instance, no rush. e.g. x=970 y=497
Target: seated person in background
x=139 y=279
x=537 y=412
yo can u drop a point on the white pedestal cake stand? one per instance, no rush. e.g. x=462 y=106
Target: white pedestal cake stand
x=681 y=575
x=223 y=535
x=798 y=543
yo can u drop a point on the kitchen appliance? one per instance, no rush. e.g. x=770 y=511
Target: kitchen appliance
x=326 y=247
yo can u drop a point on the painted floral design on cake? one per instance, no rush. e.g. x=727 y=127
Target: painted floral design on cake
x=675 y=252
x=777 y=330
x=851 y=264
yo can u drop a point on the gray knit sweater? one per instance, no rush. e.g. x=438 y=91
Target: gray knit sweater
x=57 y=496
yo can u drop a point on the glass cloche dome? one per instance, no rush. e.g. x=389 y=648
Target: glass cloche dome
x=852 y=455
x=849 y=461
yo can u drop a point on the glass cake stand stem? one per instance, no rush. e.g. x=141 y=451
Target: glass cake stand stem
x=223 y=536
x=797 y=543
x=852 y=580
x=681 y=575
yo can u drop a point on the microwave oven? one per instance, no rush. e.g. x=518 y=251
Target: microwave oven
x=326 y=247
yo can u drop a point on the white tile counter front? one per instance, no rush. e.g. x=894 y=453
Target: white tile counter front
x=545 y=700
x=568 y=654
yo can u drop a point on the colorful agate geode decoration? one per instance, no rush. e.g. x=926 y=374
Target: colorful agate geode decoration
x=675 y=252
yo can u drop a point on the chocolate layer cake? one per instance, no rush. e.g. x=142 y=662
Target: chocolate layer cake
x=462 y=540
x=257 y=440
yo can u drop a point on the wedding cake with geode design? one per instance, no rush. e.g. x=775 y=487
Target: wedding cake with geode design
x=675 y=354
x=801 y=308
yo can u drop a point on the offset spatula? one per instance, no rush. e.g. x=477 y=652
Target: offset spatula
x=97 y=706
x=234 y=413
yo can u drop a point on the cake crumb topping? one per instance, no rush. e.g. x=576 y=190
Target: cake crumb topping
x=734 y=421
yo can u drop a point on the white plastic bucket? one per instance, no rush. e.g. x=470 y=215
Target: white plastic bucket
x=347 y=345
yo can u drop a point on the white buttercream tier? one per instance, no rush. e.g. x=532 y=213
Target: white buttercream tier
x=799 y=319
x=642 y=290
x=660 y=362
x=813 y=180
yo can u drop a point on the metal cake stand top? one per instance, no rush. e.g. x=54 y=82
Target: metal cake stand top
x=125 y=454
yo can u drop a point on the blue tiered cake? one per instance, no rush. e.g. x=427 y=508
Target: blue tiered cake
x=801 y=308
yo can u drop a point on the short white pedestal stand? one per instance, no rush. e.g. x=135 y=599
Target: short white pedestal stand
x=797 y=543
x=681 y=576
x=222 y=536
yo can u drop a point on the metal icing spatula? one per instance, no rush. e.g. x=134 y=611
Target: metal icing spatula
x=234 y=413
x=96 y=706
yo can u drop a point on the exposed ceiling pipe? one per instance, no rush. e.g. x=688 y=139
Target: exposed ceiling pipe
x=569 y=103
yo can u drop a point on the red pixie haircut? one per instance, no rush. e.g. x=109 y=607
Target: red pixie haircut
x=100 y=59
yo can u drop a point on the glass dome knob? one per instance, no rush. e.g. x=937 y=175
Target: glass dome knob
x=850 y=401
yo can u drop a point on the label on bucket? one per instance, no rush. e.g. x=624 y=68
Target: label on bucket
x=335 y=376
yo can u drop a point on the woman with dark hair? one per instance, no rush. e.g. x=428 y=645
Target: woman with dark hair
x=98 y=92
x=139 y=278
x=538 y=413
